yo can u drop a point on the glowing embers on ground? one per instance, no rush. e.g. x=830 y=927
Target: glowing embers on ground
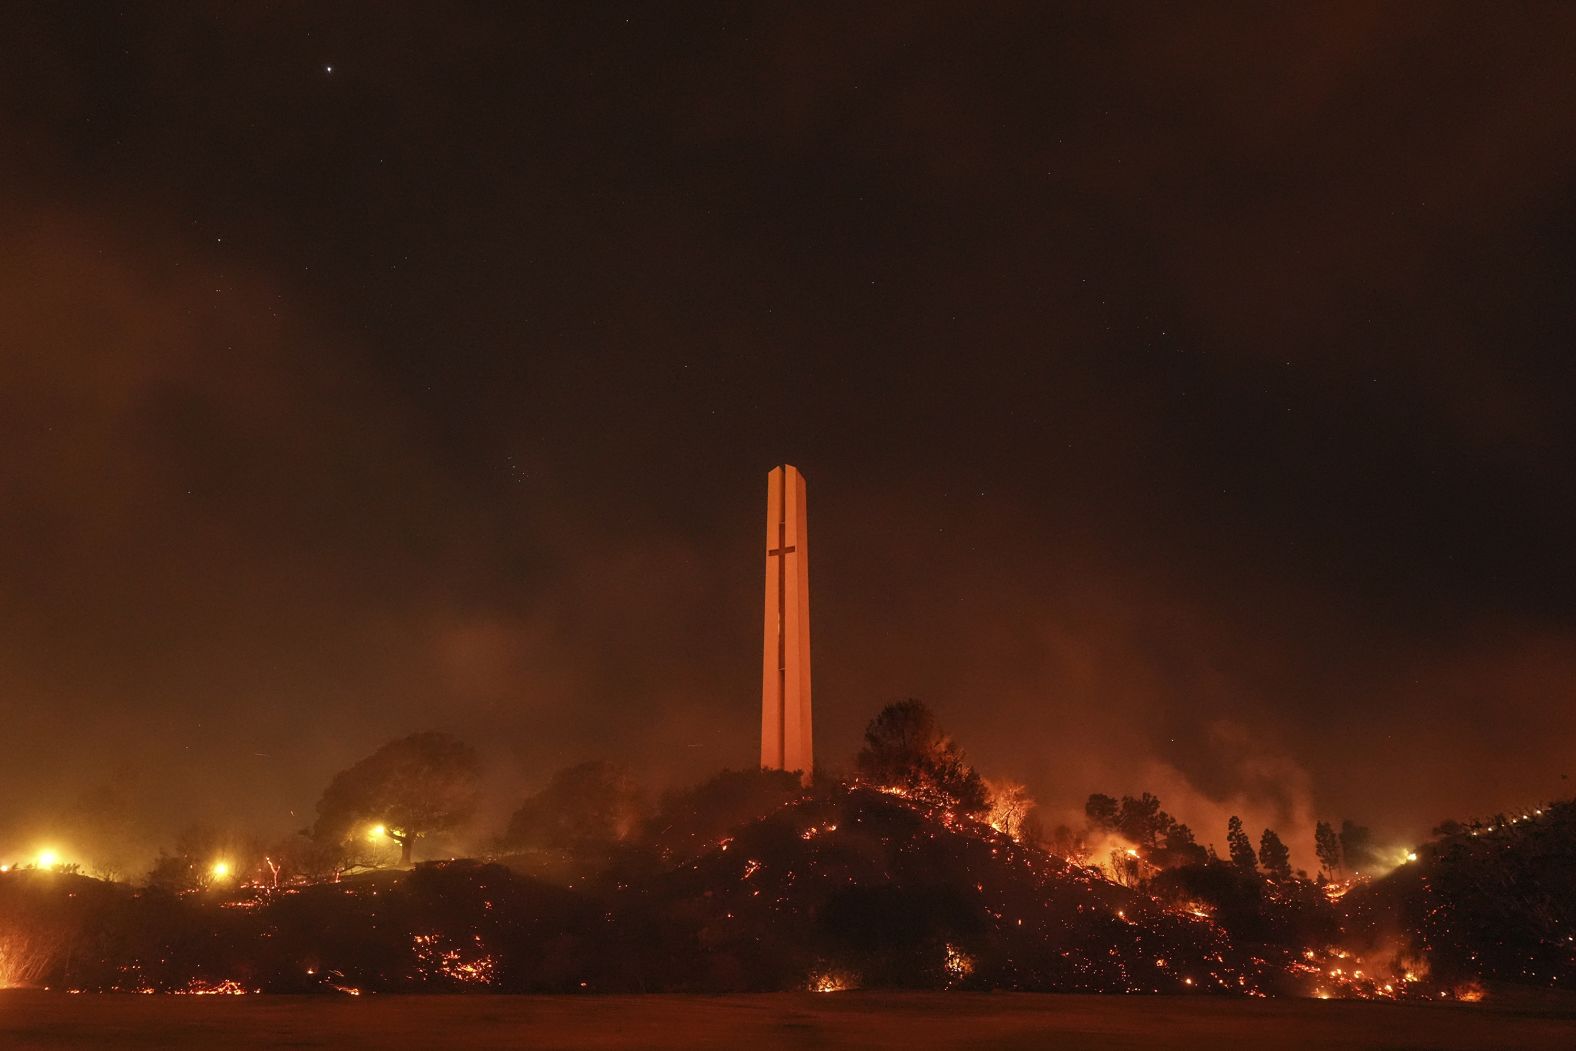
x=1181 y=944
x=818 y=891
x=467 y=963
x=832 y=980
x=1050 y=915
x=227 y=987
x=1335 y=890
x=957 y=963
x=334 y=980
x=1335 y=973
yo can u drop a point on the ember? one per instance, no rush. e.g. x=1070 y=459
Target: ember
x=228 y=987
x=467 y=964
x=958 y=964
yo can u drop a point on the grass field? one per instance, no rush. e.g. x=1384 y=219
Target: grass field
x=897 y=1021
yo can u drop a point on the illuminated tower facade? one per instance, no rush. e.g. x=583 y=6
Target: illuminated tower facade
x=785 y=651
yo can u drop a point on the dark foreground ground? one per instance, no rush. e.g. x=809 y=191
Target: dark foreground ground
x=771 y=1021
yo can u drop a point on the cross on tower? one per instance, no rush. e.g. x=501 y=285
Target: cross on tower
x=785 y=651
x=782 y=548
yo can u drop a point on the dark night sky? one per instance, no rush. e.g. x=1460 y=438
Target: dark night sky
x=1185 y=398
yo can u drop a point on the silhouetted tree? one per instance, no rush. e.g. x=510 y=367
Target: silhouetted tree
x=1101 y=811
x=301 y=857
x=191 y=865
x=1065 y=841
x=1240 y=846
x=413 y=787
x=1141 y=820
x=1180 y=848
x=905 y=750
x=691 y=820
x=1357 y=847
x=1165 y=841
x=1273 y=855
x=594 y=804
x=1328 y=846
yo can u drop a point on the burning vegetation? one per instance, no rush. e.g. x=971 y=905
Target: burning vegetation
x=917 y=874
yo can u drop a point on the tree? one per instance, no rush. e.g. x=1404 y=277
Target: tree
x=1142 y=821
x=1327 y=845
x=1010 y=807
x=588 y=806
x=1241 y=847
x=1180 y=848
x=1065 y=841
x=1166 y=842
x=692 y=820
x=906 y=751
x=1127 y=868
x=1273 y=855
x=1357 y=847
x=1101 y=811
x=202 y=858
x=302 y=858
x=412 y=787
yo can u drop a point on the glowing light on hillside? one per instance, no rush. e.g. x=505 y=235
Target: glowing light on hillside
x=831 y=982
x=48 y=859
x=221 y=870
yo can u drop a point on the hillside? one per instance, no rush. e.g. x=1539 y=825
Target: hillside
x=1494 y=900
x=845 y=888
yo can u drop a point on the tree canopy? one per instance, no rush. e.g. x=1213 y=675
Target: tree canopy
x=1273 y=855
x=1327 y=845
x=907 y=751
x=1165 y=841
x=693 y=819
x=1357 y=847
x=412 y=787
x=587 y=806
x=1241 y=847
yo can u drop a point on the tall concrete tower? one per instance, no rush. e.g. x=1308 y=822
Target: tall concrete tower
x=785 y=653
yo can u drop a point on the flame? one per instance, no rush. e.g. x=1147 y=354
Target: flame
x=831 y=980
x=1470 y=993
